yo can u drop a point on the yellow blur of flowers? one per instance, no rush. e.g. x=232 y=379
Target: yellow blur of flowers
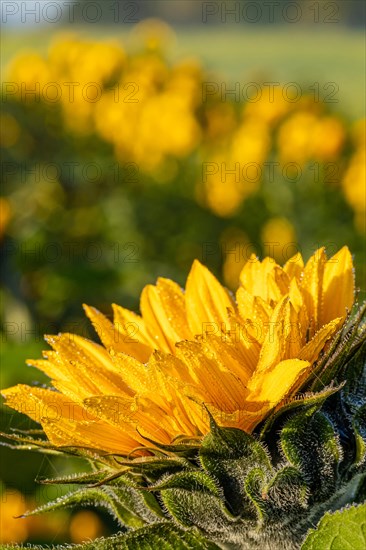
x=14 y=528
x=85 y=526
x=145 y=108
x=278 y=237
x=308 y=135
x=154 y=113
x=240 y=356
x=232 y=175
x=5 y=215
x=270 y=129
x=354 y=181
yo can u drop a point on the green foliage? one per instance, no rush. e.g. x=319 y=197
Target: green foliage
x=343 y=530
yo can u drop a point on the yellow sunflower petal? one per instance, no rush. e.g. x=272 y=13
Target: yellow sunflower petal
x=265 y=280
x=310 y=352
x=243 y=419
x=89 y=367
x=163 y=310
x=273 y=346
x=77 y=348
x=207 y=301
x=133 y=373
x=277 y=383
x=253 y=308
x=132 y=325
x=52 y=367
x=228 y=355
x=294 y=267
x=90 y=434
x=220 y=385
x=40 y=404
x=66 y=422
x=338 y=286
x=311 y=285
x=253 y=276
x=246 y=336
x=118 y=340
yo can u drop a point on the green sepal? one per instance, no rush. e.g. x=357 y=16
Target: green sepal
x=194 y=500
x=187 y=449
x=100 y=497
x=332 y=366
x=229 y=454
x=285 y=495
x=253 y=485
x=138 y=500
x=342 y=530
x=282 y=498
x=354 y=391
x=359 y=428
x=194 y=480
x=85 y=478
x=299 y=401
x=28 y=443
x=162 y=536
x=309 y=443
x=46 y=447
x=153 y=468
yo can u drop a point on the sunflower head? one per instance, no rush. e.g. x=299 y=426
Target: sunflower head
x=155 y=376
x=245 y=413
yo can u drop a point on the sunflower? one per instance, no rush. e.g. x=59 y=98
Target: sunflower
x=155 y=375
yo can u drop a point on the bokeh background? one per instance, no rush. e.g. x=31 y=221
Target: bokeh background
x=137 y=136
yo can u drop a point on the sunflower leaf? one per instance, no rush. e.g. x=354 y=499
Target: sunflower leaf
x=342 y=530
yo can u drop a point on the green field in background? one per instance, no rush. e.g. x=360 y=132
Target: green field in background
x=243 y=54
